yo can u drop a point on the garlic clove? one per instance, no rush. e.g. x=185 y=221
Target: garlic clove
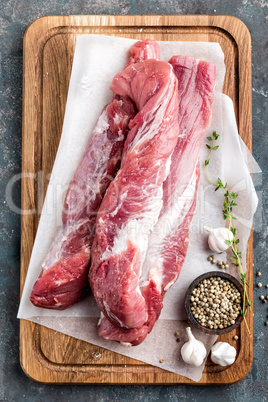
x=217 y=238
x=193 y=352
x=223 y=353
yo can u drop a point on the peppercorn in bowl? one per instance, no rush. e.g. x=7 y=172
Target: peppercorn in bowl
x=213 y=302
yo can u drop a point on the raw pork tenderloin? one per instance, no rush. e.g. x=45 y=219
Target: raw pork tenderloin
x=133 y=201
x=169 y=241
x=64 y=276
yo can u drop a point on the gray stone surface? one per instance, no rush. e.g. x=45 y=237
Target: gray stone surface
x=15 y=16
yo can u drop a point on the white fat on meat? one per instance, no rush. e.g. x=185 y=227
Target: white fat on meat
x=137 y=230
x=111 y=315
x=102 y=123
x=151 y=124
x=169 y=221
x=56 y=251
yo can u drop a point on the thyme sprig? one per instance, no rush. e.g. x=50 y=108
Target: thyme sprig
x=227 y=211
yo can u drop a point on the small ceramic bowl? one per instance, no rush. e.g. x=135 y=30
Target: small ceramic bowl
x=190 y=316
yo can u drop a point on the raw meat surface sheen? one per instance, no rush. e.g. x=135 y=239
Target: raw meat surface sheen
x=64 y=276
x=169 y=241
x=133 y=201
x=167 y=251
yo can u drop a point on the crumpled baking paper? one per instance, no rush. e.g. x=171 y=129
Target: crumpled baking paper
x=97 y=59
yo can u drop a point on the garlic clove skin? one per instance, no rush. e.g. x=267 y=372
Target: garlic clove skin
x=223 y=353
x=193 y=352
x=217 y=237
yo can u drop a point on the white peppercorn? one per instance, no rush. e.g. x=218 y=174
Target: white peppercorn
x=220 y=306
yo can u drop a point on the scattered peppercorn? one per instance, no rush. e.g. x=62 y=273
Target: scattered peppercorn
x=161 y=361
x=236 y=338
x=215 y=303
x=264 y=301
x=178 y=339
x=177 y=333
x=258 y=273
x=221 y=264
x=259 y=285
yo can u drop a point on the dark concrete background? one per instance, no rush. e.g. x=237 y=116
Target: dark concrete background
x=15 y=16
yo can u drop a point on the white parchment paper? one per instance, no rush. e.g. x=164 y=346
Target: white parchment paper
x=97 y=59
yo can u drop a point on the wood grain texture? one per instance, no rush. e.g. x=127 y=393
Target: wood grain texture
x=49 y=45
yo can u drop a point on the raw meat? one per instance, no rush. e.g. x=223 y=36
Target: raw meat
x=64 y=276
x=169 y=241
x=133 y=201
x=196 y=83
x=171 y=253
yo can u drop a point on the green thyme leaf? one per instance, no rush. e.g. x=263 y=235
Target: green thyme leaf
x=233 y=230
x=228 y=204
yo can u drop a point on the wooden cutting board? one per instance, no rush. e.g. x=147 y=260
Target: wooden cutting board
x=49 y=45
